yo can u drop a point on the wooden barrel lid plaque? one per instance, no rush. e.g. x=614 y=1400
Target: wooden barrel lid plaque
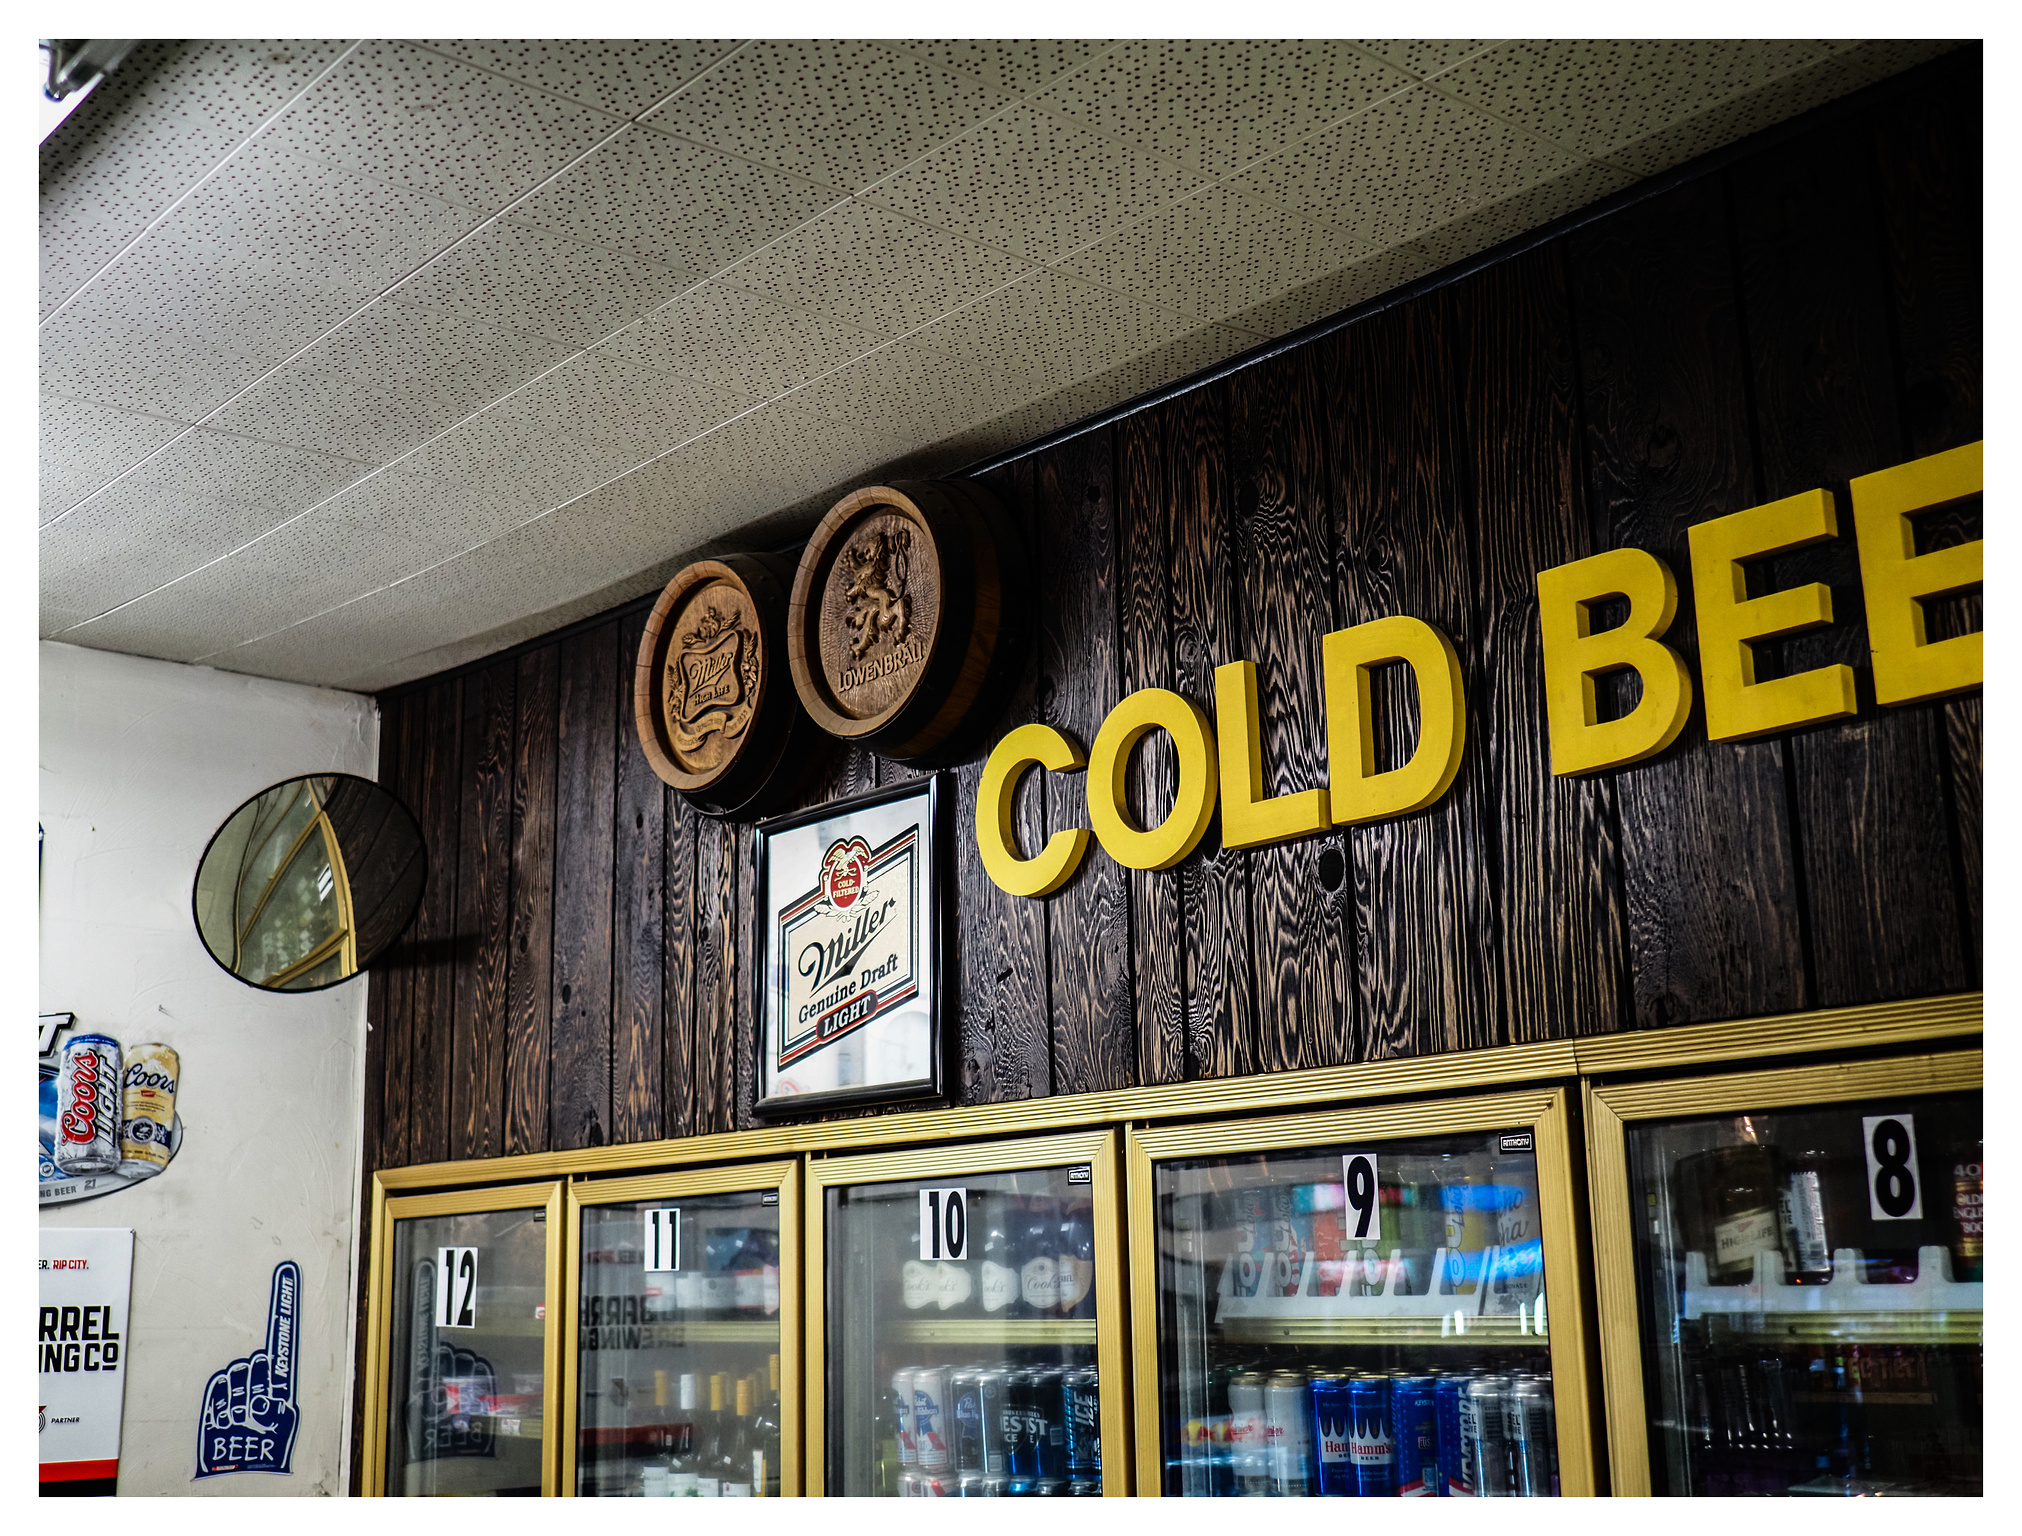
x=909 y=612
x=715 y=717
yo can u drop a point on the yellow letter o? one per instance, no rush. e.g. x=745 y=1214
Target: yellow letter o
x=1152 y=709
x=1049 y=869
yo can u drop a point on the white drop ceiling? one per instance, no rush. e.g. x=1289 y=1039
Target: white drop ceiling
x=362 y=359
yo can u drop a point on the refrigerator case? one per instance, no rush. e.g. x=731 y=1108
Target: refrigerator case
x=683 y=1378
x=967 y=1341
x=463 y=1363
x=1791 y=1275
x=1370 y=1303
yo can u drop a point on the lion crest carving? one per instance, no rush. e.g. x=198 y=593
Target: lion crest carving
x=876 y=594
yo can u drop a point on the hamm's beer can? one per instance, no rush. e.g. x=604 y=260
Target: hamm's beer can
x=87 y=1105
x=1330 y=1436
x=147 y=1109
x=1371 y=1454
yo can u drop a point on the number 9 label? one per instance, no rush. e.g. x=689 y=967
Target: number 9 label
x=1363 y=1221
x=1893 y=1192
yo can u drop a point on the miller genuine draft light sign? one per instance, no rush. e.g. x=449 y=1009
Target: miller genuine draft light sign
x=851 y=950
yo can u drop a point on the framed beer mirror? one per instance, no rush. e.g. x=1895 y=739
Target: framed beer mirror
x=308 y=882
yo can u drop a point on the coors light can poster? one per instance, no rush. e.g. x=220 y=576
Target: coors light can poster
x=849 y=914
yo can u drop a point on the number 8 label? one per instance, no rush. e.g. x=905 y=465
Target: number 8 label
x=1893 y=1193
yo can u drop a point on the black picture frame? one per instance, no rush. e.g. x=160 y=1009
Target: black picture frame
x=937 y=792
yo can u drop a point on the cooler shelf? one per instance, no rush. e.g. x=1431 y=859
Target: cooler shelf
x=1457 y=1328
x=1445 y=1313
x=1931 y=1309
x=995 y=1330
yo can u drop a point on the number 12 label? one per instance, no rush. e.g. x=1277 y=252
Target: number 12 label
x=1358 y=1174
x=944 y=1224
x=1891 y=1142
x=456 y=1287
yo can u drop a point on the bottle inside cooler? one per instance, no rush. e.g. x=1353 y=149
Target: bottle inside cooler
x=970 y=1376
x=1356 y=1322
x=1810 y=1290
x=678 y=1368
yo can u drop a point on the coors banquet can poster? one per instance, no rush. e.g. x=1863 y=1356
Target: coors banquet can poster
x=850 y=901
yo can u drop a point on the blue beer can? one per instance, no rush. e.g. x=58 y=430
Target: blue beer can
x=1414 y=1428
x=1371 y=1453
x=1330 y=1437
x=1447 y=1392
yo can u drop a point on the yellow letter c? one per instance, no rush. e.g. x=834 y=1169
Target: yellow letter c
x=1053 y=865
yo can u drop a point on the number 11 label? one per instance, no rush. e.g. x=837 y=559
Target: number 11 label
x=1358 y=1174
x=944 y=1224
x=663 y=1238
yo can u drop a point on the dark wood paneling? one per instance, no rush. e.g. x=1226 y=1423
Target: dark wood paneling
x=1284 y=535
x=638 y=938
x=586 y=755
x=681 y=976
x=433 y=1001
x=1557 y=868
x=716 y=976
x=527 y=1058
x=1708 y=878
x=483 y=913
x=1424 y=918
x=1157 y=936
x=1206 y=631
x=399 y=749
x=1870 y=796
x=1088 y=921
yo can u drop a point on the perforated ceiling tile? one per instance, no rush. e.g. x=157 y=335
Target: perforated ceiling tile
x=1035 y=185
x=1214 y=254
x=83 y=445
x=1474 y=232
x=152 y=129
x=689 y=208
x=1368 y=279
x=1593 y=97
x=199 y=499
x=870 y=268
x=1016 y=66
x=541 y=283
x=389 y=379
x=746 y=339
x=1426 y=57
x=619 y=74
x=413 y=117
x=1216 y=106
x=1410 y=163
x=839 y=112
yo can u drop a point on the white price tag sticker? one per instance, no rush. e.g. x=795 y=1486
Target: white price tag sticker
x=1893 y=1192
x=663 y=1238
x=1358 y=1175
x=944 y=1223
x=456 y=1287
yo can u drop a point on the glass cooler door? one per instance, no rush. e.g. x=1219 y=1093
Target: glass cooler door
x=967 y=1336
x=470 y=1347
x=1345 y=1310
x=684 y=1375
x=1808 y=1286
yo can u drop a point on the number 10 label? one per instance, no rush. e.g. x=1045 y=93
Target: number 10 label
x=1358 y=1174
x=456 y=1287
x=944 y=1224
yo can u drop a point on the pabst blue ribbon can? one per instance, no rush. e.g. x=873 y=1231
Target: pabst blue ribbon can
x=87 y=1105
x=147 y=1109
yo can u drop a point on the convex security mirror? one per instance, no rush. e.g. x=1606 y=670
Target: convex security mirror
x=309 y=881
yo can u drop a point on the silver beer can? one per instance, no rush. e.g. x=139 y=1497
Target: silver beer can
x=87 y=1105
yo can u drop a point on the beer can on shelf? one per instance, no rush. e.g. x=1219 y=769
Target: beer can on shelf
x=930 y=1418
x=965 y=1417
x=1529 y=1423
x=1336 y=1478
x=1247 y=1452
x=1370 y=1450
x=1015 y=1419
x=1046 y=1420
x=1289 y=1435
x=1484 y=1441
x=1447 y=1392
x=1082 y=1405
x=87 y=1105
x=928 y=1485
x=1048 y=1487
x=1083 y=1487
x=902 y=1415
x=147 y=1109
x=1414 y=1432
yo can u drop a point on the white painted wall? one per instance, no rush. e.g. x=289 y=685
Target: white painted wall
x=140 y=763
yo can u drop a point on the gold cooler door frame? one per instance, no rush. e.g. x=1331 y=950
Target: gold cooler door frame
x=1610 y=1108
x=1542 y=1111
x=782 y=1178
x=1098 y=1149
x=389 y=1209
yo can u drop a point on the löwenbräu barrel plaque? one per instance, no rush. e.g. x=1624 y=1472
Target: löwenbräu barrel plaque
x=910 y=617
x=716 y=718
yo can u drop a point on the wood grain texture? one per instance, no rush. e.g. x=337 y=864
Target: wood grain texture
x=1144 y=658
x=586 y=762
x=483 y=913
x=716 y=979
x=638 y=943
x=399 y=747
x=1302 y=925
x=1088 y=920
x=433 y=999
x=527 y=1053
x=1424 y=913
x=744 y=1028
x=1709 y=878
x=680 y=968
x=1556 y=870
x=1869 y=796
x=1928 y=159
